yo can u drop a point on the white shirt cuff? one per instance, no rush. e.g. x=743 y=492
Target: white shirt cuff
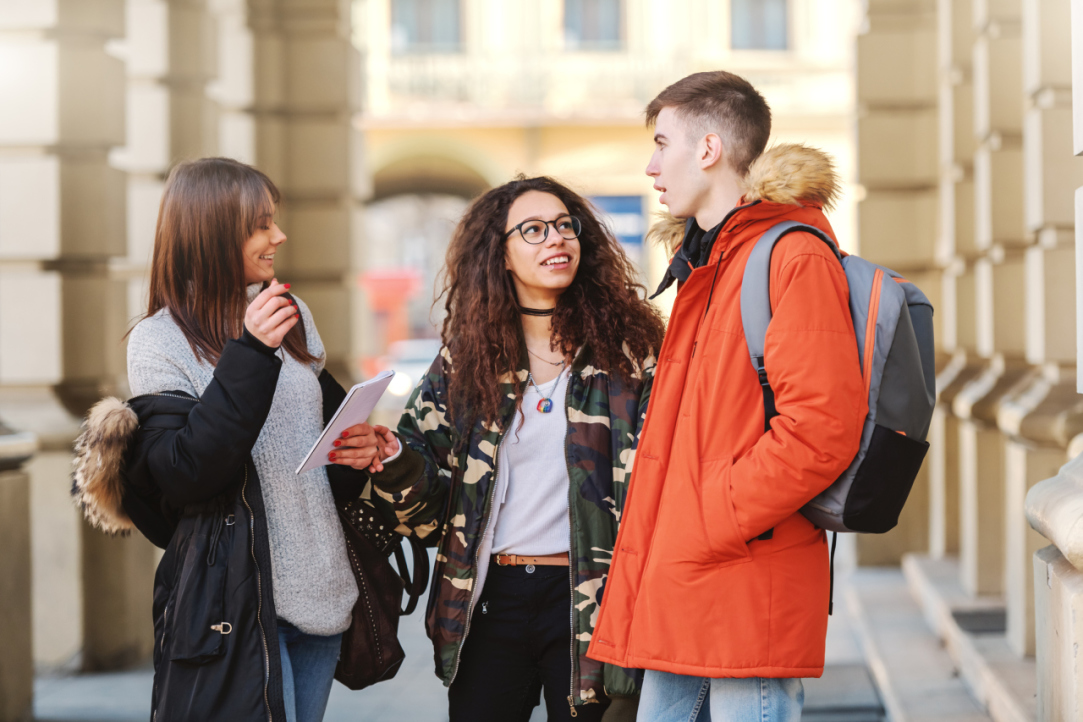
x=396 y=455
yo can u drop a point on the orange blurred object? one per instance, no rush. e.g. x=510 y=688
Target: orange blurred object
x=389 y=290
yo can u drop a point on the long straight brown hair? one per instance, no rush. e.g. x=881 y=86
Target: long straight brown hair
x=210 y=208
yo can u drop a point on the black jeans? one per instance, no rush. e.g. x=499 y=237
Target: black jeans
x=520 y=644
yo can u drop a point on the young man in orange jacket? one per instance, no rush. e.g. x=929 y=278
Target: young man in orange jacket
x=719 y=586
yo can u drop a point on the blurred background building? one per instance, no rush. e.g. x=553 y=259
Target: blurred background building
x=952 y=124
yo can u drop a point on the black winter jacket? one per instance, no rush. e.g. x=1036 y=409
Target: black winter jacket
x=190 y=486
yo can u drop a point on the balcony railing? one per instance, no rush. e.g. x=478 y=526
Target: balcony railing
x=580 y=84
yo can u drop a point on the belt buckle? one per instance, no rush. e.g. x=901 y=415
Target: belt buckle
x=509 y=563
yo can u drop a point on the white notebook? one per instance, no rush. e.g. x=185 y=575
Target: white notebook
x=354 y=409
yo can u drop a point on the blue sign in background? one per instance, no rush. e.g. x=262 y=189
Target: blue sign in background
x=624 y=215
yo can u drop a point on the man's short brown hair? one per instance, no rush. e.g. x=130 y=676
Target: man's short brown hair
x=722 y=103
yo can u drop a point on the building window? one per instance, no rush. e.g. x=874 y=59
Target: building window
x=425 y=26
x=593 y=24
x=759 y=25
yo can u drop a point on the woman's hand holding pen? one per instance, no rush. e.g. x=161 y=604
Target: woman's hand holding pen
x=365 y=447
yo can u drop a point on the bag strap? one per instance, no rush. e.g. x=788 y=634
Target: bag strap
x=414 y=585
x=756 y=301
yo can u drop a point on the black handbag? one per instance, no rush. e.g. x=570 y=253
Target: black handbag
x=371 y=651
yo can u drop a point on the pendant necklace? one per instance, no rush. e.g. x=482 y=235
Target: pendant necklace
x=546 y=404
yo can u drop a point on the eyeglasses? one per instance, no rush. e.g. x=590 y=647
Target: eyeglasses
x=535 y=231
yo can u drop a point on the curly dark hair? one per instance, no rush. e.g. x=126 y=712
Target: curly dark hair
x=603 y=309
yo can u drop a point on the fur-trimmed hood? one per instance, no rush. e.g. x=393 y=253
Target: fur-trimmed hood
x=97 y=481
x=788 y=173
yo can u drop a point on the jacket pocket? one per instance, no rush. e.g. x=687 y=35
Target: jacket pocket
x=883 y=481
x=719 y=518
x=197 y=630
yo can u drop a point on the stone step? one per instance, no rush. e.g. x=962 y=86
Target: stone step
x=917 y=679
x=1004 y=683
x=845 y=693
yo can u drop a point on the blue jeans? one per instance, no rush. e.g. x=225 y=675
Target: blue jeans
x=676 y=698
x=308 y=669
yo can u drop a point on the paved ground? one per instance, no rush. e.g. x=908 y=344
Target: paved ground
x=844 y=694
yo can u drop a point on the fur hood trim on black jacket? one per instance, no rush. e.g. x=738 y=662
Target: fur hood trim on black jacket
x=97 y=483
x=788 y=173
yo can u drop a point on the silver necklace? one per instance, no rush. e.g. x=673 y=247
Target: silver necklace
x=546 y=404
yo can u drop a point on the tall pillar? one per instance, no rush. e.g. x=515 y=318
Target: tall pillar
x=1037 y=416
x=288 y=90
x=955 y=251
x=981 y=475
x=943 y=461
x=169 y=53
x=16 y=615
x=991 y=319
x=897 y=164
x=170 y=50
x=62 y=222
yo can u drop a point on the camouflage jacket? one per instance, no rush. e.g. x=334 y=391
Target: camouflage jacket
x=604 y=419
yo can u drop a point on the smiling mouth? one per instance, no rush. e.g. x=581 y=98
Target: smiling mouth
x=267 y=258
x=557 y=260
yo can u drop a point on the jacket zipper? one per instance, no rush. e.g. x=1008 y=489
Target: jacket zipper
x=571 y=556
x=176 y=396
x=477 y=555
x=259 y=592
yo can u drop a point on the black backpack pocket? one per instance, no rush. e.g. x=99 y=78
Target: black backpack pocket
x=197 y=629
x=883 y=481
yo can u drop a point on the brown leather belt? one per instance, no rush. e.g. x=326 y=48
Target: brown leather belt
x=514 y=560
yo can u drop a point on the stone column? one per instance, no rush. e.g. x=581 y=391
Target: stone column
x=981 y=475
x=990 y=277
x=1035 y=415
x=170 y=55
x=944 y=459
x=62 y=221
x=955 y=249
x=16 y=615
x=897 y=165
x=288 y=89
x=170 y=50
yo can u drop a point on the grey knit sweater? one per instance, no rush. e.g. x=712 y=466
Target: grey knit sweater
x=314 y=588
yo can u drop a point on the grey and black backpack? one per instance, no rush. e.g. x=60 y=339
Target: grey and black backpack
x=893 y=321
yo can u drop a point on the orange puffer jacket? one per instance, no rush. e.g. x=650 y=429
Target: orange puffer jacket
x=691 y=590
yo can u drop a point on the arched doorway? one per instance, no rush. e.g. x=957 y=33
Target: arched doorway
x=417 y=202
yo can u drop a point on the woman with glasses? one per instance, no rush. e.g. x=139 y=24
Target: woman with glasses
x=515 y=450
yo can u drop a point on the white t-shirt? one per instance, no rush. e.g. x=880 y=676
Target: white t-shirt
x=531 y=515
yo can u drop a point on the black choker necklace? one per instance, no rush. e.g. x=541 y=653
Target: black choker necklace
x=536 y=311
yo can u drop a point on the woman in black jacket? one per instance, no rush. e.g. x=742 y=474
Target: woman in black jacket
x=255 y=588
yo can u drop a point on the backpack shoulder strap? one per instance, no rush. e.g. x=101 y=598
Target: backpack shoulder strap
x=756 y=301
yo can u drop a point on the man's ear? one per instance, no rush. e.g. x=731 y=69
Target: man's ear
x=711 y=152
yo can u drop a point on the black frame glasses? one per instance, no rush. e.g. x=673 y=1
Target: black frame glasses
x=575 y=228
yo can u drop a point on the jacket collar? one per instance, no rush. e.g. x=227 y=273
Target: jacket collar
x=782 y=178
